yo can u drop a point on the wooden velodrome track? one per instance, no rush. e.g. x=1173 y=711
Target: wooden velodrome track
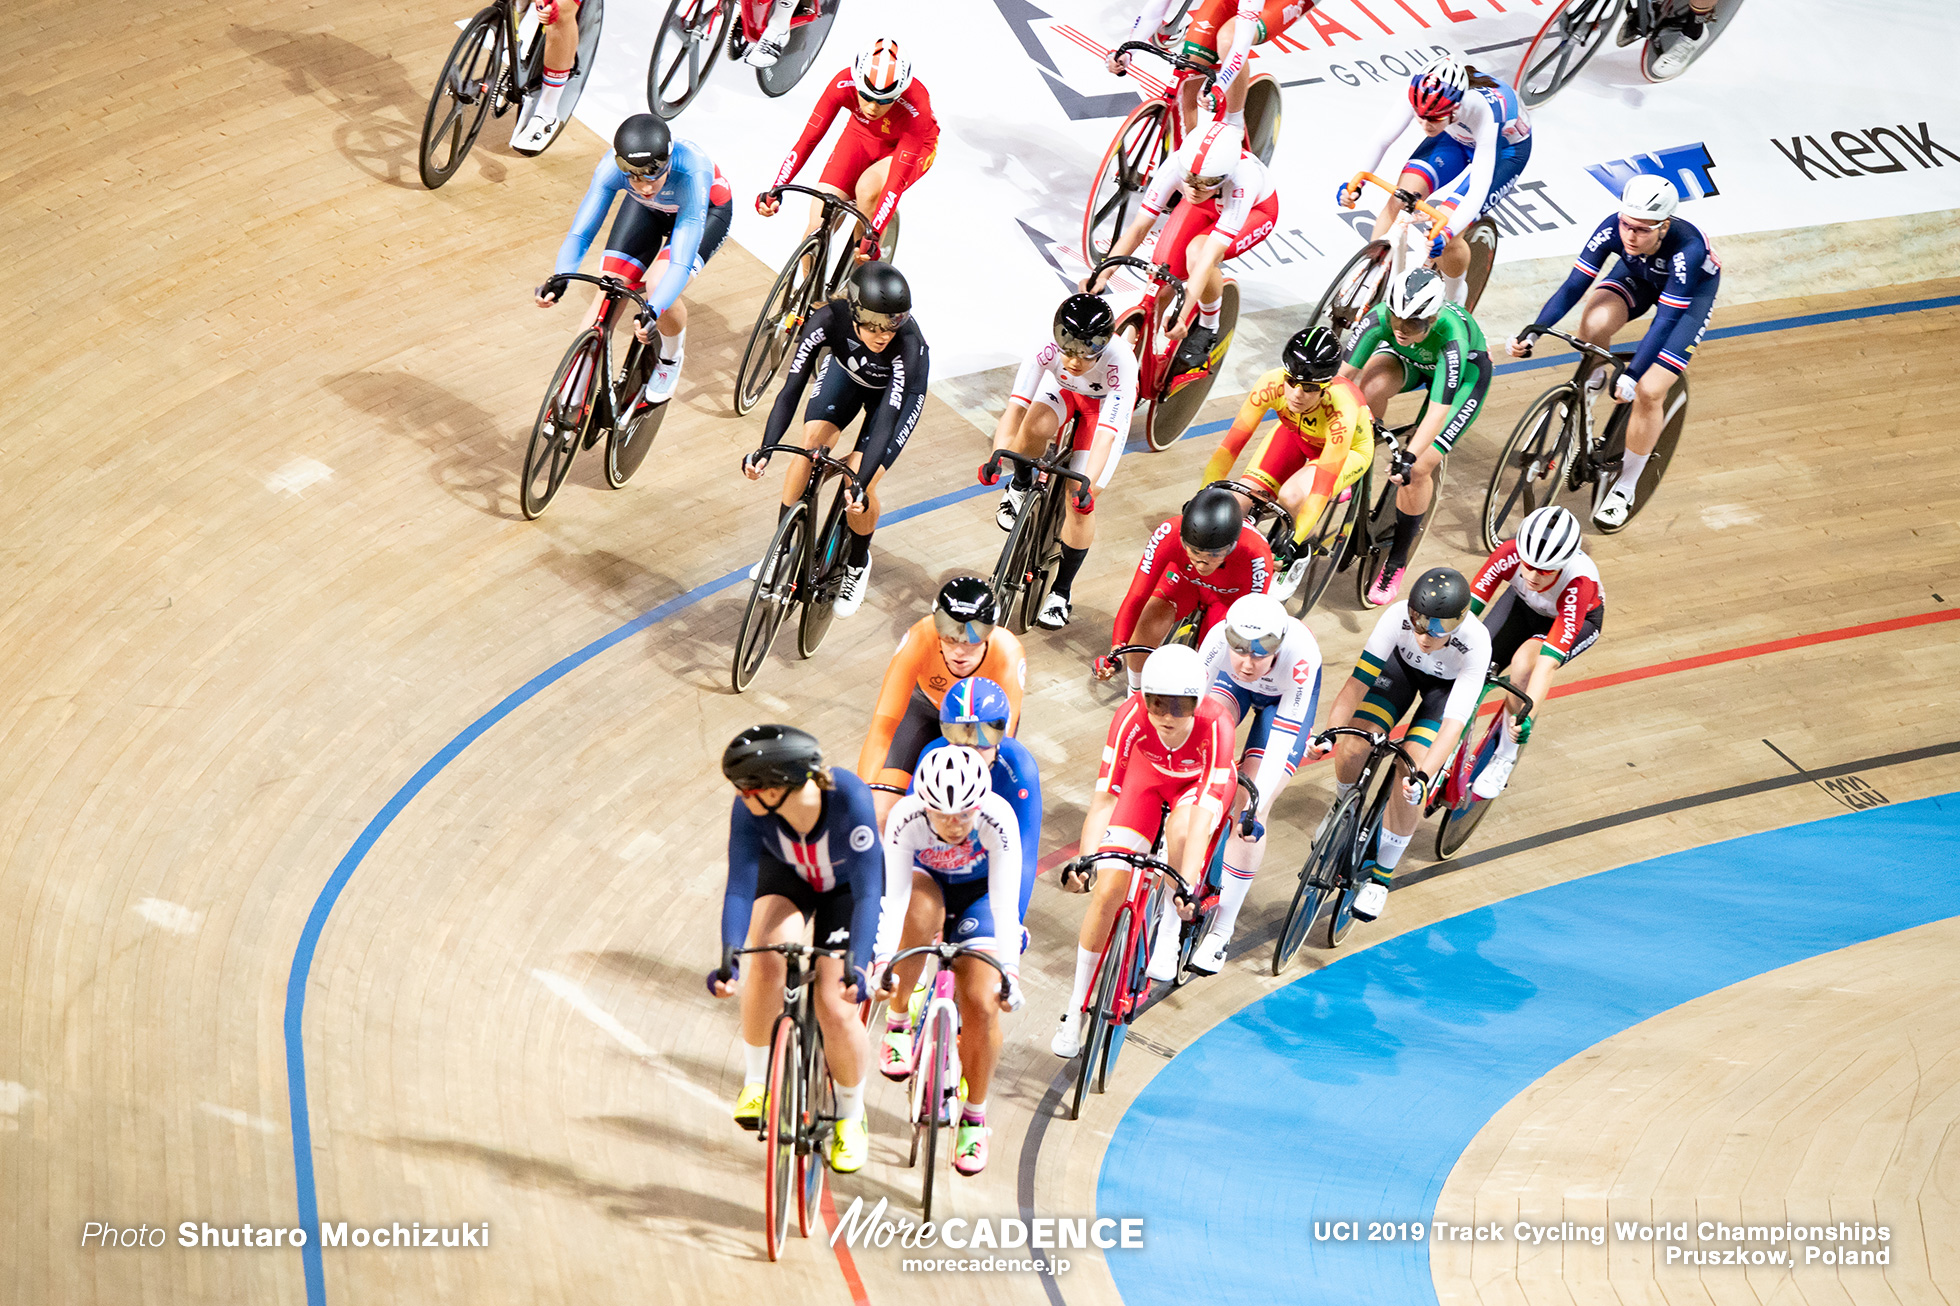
x=268 y=398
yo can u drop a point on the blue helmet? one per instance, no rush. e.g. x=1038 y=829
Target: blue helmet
x=975 y=712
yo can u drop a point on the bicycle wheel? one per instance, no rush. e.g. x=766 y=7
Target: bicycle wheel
x=774 y=589
x=1353 y=291
x=799 y=52
x=463 y=97
x=684 y=52
x=1011 y=572
x=1103 y=994
x=1530 y=472
x=819 y=1108
x=934 y=1070
x=1262 y=115
x=1674 y=416
x=1459 y=821
x=1330 y=545
x=1140 y=144
x=1481 y=236
x=777 y=322
x=1667 y=38
x=1564 y=45
x=1340 y=918
x=627 y=443
x=1168 y=418
x=785 y=1073
x=560 y=428
x=821 y=603
x=1317 y=880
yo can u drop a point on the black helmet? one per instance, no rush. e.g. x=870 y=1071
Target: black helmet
x=1211 y=521
x=642 y=146
x=1312 y=356
x=880 y=299
x=965 y=610
x=1438 y=600
x=1083 y=324
x=771 y=757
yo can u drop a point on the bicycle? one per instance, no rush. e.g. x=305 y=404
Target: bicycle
x=1461 y=808
x=808 y=280
x=1033 y=551
x=1577 y=29
x=1168 y=405
x=1364 y=279
x=1203 y=902
x=497 y=64
x=801 y=565
x=800 y=1102
x=579 y=406
x=933 y=1087
x=1331 y=877
x=1554 y=449
x=691 y=27
x=1152 y=130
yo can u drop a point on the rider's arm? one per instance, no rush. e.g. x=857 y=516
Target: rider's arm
x=744 y=866
x=875 y=893
x=1346 y=426
x=915 y=652
x=1027 y=380
x=607 y=181
x=1220 y=778
x=1480 y=117
x=1118 y=406
x=1688 y=272
x=835 y=99
x=898 y=845
x=1251 y=413
x=898 y=410
x=684 y=246
x=1122 y=733
x=1374 y=330
x=1498 y=568
x=916 y=142
x=1156 y=556
x=1017 y=777
x=1149 y=20
x=1292 y=716
x=1374 y=656
x=1600 y=246
x=1392 y=126
x=817 y=333
x=1006 y=664
x=1002 y=842
x=1575 y=603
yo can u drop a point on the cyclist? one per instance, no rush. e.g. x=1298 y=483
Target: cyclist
x=1084 y=376
x=960 y=639
x=1479 y=139
x=888 y=143
x=1324 y=442
x=876 y=365
x=803 y=852
x=1199 y=560
x=1664 y=260
x=1231 y=26
x=678 y=219
x=957 y=844
x=559 y=18
x=975 y=714
x=1429 y=653
x=1419 y=339
x=1263 y=662
x=1169 y=745
x=1230 y=205
x=1551 y=613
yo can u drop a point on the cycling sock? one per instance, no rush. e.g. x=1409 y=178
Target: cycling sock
x=1456 y=287
x=1085 y=975
x=1208 y=313
x=1136 y=678
x=554 y=90
x=900 y=1021
x=974 y=1113
x=1023 y=478
x=782 y=511
x=670 y=348
x=858 y=552
x=1388 y=849
x=778 y=25
x=850 y=1101
x=1506 y=746
x=1072 y=558
x=1342 y=789
x=1233 y=119
x=1406 y=526
x=1597 y=381
x=755 y=1064
x=1631 y=465
x=1241 y=864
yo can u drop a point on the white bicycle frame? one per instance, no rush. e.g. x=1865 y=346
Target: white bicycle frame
x=940 y=1007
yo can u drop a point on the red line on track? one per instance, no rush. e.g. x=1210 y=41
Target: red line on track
x=843 y=1250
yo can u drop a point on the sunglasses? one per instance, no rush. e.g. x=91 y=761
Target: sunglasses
x=1435 y=627
x=1205 y=183
x=879 y=321
x=1174 y=705
x=1302 y=383
x=964 y=632
x=1411 y=326
x=646 y=172
x=974 y=734
x=1264 y=646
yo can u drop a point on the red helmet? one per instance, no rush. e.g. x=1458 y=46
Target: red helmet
x=1435 y=92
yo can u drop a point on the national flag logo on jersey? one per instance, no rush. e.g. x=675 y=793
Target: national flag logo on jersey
x=811 y=860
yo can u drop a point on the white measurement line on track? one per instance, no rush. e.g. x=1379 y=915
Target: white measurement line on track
x=232 y=1115
x=575 y=997
x=297 y=475
x=167 y=915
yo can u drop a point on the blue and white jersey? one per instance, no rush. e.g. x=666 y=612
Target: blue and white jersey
x=1017 y=779
x=1284 y=698
x=692 y=185
x=990 y=851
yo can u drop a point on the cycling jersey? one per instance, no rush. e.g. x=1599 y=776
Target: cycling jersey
x=1568 y=601
x=840 y=855
x=1140 y=771
x=916 y=681
x=1246 y=187
x=989 y=854
x=692 y=187
x=1107 y=391
x=1682 y=275
x=1282 y=701
x=1338 y=424
x=893 y=380
x=1483 y=148
x=1451 y=361
x=908 y=133
x=1164 y=571
x=1462 y=662
x=1259 y=22
x=1017 y=779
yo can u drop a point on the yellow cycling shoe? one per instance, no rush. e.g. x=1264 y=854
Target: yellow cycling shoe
x=750 y=1106
x=850 y=1144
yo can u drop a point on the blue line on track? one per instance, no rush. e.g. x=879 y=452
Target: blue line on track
x=316 y=920
x=1352 y=1093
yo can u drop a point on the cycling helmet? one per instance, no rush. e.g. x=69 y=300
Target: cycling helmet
x=1438 y=601
x=952 y=780
x=880 y=72
x=1548 y=539
x=1418 y=296
x=1217 y=154
x=1084 y=324
x=1174 y=672
x=1211 y=521
x=642 y=146
x=1649 y=197
x=1312 y=356
x=1435 y=92
x=771 y=757
x=880 y=298
x=975 y=713
x=1255 y=625
x=965 y=610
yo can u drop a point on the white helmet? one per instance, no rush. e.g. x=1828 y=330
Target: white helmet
x=1419 y=294
x=1218 y=150
x=881 y=72
x=1255 y=625
x=1649 y=197
x=953 y=780
x=1175 y=671
x=1548 y=539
